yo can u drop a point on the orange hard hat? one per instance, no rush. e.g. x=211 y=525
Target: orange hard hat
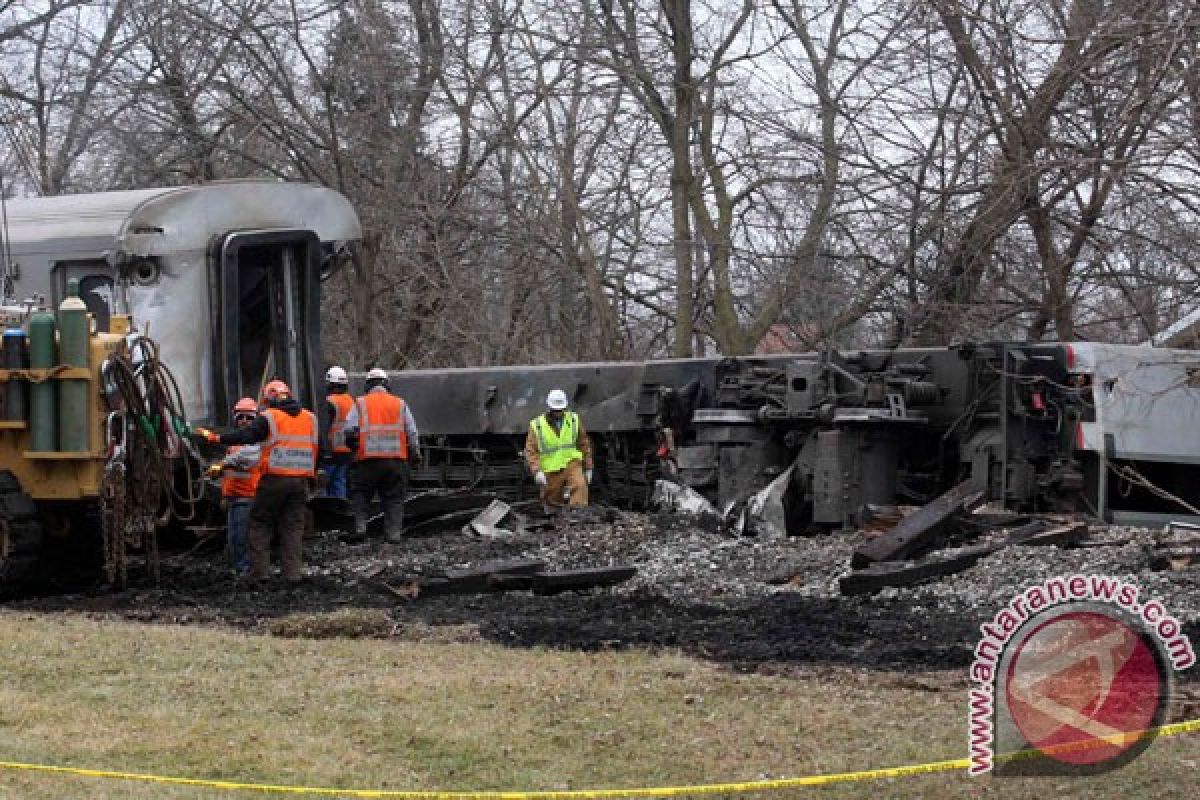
x=246 y=404
x=276 y=389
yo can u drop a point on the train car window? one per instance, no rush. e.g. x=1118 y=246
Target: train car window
x=96 y=288
x=96 y=292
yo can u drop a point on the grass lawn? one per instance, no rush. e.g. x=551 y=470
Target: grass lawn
x=399 y=714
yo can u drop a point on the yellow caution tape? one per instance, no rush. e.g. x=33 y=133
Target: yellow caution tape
x=1191 y=726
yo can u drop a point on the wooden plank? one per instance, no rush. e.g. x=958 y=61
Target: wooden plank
x=487 y=577
x=517 y=566
x=569 y=580
x=1061 y=536
x=904 y=573
x=919 y=529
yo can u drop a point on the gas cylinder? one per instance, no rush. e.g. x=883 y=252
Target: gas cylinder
x=15 y=356
x=73 y=352
x=43 y=408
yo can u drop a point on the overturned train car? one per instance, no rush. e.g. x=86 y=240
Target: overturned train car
x=1106 y=429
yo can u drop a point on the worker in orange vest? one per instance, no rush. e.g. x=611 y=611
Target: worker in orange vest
x=382 y=430
x=239 y=472
x=289 y=437
x=338 y=403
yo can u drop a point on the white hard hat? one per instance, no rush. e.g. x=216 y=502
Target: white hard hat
x=336 y=375
x=556 y=400
x=377 y=374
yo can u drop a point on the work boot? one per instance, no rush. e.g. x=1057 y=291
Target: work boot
x=360 y=525
x=395 y=536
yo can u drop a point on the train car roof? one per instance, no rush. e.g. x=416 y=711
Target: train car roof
x=171 y=219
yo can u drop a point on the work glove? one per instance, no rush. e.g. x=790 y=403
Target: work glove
x=587 y=475
x=206 y=435
x=214 y=470
x=540 y=477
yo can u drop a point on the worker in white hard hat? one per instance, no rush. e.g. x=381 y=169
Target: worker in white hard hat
x=559 y=454
x=381 y=430
x=338 y=404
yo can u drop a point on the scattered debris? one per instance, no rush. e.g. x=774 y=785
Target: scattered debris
x=1177 y=548
x=1070 y=534
x=668 y=496
x=904 y=573
x=764 y=512
x=916 y=531
x=547 y=583
x=508 y=576
x=884 y=574
x=697 y=590
x=487 y=522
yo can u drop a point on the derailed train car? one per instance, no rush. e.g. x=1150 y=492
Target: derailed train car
x=1107 y=429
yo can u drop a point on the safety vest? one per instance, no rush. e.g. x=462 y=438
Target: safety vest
x=381 y=432
x=241 y=483
x=557 y=450
x=291 y=446
x=337 y=432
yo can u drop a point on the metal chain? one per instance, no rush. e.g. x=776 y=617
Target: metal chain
x=114 y=524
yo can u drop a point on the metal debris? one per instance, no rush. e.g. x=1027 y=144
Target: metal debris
x=765 y=512
x=668 y=496
x=487 y=522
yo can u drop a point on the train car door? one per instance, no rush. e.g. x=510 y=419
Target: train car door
x=267 y=315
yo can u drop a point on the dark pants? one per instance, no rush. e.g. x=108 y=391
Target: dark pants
x=388 y=477
x=237 y=521
x=336 y=473
x=280 y=506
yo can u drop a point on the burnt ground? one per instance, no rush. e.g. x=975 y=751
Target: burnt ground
x=723 y=599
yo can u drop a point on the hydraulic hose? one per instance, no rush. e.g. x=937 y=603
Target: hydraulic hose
x=151 y=396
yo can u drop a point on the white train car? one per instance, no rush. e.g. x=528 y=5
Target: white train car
x=224 y=276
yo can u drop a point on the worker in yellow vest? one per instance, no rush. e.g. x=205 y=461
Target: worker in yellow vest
x=338 y=403
x=381 y=429
x=289 y=436
x=559 y=454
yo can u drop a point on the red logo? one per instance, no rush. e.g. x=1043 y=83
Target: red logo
x=1083 y=687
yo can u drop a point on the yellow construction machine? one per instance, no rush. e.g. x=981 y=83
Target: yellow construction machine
x=100 y=292
x=94 y=458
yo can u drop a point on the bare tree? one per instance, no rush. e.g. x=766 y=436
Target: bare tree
x=60 y=106
x=1067 y=97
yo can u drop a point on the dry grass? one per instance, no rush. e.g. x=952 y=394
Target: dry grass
x=396 y=713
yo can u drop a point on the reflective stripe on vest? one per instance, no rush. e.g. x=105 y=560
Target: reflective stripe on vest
x=557 y=450
x=381 y=432
x=291 y=447
x=337 y=432
x=240 y=483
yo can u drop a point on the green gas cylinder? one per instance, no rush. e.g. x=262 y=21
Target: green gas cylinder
x=43 y=410
x=73 y=352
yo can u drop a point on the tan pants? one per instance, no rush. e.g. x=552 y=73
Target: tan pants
x=572 y=478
